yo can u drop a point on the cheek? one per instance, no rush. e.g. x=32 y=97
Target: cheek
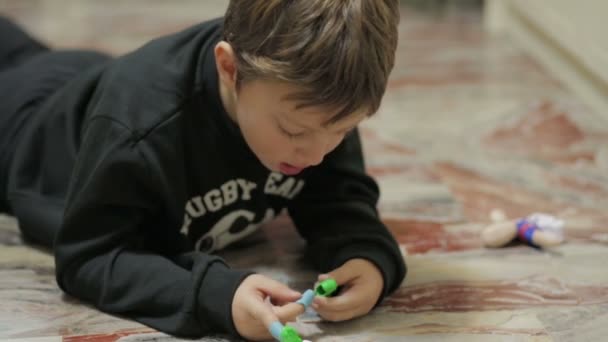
x=262 y=137
x=277 y=143
x=335 y=143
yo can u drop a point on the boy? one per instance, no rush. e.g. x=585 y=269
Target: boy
x=135 y=169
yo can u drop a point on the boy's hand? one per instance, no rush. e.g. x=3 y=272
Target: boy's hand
x=252 y=313
x=362 y=285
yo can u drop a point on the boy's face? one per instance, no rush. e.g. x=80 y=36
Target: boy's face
x=286 y=139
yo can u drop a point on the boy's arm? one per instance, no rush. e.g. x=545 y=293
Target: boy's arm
x=336 y=213
x=101 y=253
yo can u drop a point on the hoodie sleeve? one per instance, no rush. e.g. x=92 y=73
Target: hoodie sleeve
x=100 y=251
x=337 y=216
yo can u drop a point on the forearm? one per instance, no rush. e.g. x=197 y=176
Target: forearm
x=189 y=295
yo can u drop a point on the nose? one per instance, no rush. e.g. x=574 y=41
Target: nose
x=313 y=153
x=310 y=156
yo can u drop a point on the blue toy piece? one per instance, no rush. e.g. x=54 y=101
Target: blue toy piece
x=288 y=334
x=275 y=330
x=307 y=298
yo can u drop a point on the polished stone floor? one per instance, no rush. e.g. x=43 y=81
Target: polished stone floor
x=470 y=125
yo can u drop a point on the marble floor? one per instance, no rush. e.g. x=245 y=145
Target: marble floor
x=470 y=126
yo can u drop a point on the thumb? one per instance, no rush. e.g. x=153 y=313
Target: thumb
x=279 y=291
x=341 y=275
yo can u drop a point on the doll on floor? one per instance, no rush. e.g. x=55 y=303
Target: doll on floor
x=538 y=230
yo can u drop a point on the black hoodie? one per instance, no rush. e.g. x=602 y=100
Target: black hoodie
x=138 y=173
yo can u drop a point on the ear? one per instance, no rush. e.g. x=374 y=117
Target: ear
x=225 y=62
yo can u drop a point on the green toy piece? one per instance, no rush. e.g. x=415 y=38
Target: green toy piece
x=326 y=288
x=289 y=334
x=284 y=333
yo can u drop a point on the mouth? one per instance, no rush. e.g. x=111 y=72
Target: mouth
x=289 y=169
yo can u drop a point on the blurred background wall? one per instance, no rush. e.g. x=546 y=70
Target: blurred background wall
x=570 y=38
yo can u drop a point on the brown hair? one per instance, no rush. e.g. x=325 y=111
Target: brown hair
x=339 y=52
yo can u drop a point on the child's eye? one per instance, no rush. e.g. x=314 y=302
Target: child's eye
x=288 y=133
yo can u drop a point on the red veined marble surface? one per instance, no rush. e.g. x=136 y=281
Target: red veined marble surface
x=470 y=124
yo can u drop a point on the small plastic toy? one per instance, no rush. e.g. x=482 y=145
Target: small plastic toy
x=288 y=334
x=284 y=333
x=326 y=288
x=538 y=230
x=307 y=297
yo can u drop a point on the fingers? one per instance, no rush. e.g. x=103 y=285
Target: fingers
x=259 y=316
x=274 y=291
x=288 y=312
x=253 y=313
x=261 y=310
x=349 y=304
x=268 y=315
x=328 y=313
x=352 y=299
x=347 y=299
x=278 y=292
x=361 y=284
x=342 y=274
